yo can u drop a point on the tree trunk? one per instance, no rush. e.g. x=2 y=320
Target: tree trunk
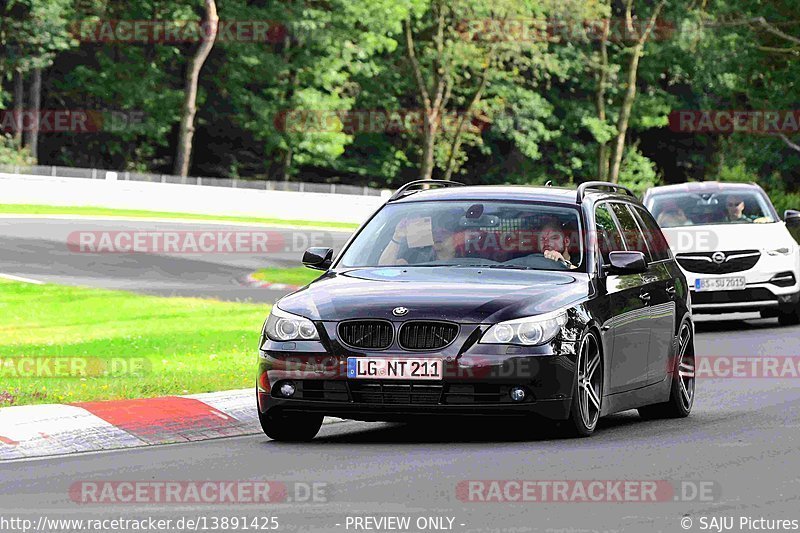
x=624 y=117
x=600 y=102
x=456 y=144
x=286 y=163
x=433 y=108
x=184 y=148
x=32 y=134
x=286 y=166
x=630 y=93
x=19 y=105
x=428 y=145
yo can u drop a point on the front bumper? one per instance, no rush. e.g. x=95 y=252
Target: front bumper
x=766 y=287
x=551 y=409
x=752 y=298
x=473 y=384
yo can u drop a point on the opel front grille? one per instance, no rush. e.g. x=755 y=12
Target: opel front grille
x=719 y=262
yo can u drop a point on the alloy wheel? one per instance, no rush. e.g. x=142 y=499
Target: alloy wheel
x=686 y=371
x=590 y=381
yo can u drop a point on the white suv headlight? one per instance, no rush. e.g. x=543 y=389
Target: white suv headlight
x=780 y=251
x=530 y=331
x=283 y=326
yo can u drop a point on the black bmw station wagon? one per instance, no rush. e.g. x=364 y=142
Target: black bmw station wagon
x=529 y=302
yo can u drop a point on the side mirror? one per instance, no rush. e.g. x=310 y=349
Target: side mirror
x=627 y=263
x=792 y=219
x=318 y=258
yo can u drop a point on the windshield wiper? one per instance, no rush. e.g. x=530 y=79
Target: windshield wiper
x=496 y=265
x=513 y=267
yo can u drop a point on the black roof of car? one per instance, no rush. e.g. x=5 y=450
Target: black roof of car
x=563 y=195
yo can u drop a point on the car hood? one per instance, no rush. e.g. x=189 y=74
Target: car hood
x=465 y=295
x=726 y=237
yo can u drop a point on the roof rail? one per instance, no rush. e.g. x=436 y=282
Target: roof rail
x=413 y=186
x=583 y=187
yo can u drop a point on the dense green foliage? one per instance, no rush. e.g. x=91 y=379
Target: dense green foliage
x=359 y=91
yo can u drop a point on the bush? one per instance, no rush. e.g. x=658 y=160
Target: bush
x=10 y=154
x=638 y=173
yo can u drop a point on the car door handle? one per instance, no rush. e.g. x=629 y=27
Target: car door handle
x=645 y=297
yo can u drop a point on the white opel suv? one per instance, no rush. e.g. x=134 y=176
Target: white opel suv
x=736 y=252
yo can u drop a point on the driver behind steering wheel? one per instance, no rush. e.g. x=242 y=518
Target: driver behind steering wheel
x=554 y=243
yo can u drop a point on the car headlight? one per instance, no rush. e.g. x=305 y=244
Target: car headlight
x=283 y=326
x=780 y=251
x=530 y=331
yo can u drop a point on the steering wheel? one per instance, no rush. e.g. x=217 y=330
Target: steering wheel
x=536 y=260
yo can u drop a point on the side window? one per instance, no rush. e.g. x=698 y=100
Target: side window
x=658 y=245
x=609 y=238
x=631 y=232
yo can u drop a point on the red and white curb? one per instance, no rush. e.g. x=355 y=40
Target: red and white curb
x=56 y=429
x=261 y=284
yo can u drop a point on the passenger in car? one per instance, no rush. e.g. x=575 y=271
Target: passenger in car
x=672 y=215
x=421 y=240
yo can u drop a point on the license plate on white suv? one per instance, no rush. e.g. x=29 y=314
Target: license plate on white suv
x=733 y=283
x=393 y=368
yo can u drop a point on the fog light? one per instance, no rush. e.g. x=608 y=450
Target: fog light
x=287 y=389
x=517 y=394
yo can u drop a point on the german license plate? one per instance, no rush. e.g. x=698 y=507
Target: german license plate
x=393 y=368
x=733 y=283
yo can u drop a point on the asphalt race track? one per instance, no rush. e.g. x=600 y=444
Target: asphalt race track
x=740 y=440
x=738 y=448
x=37 y=248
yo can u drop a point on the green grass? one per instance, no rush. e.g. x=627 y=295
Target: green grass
x=187 y=345
x=29 y=209
x=290 y=276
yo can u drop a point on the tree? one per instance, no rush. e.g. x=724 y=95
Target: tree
x=35 y=99
x=32 y=32
x=295 y=92
x=630 y=85
x=184 y=148
x=745 y=58
x=461 y=51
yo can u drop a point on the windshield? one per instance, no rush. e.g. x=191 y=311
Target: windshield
x=732 y=206
x=469 y=234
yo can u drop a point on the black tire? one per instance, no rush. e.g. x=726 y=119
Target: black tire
x=789 y=318
x=681 y=396
x=585 y=412
x=295 y=427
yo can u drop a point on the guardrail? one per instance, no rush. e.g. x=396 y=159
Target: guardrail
x=234 y=183
x=116 y=193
